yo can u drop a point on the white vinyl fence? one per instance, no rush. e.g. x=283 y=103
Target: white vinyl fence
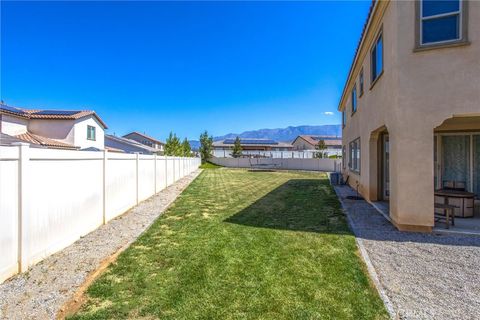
x=302 y=154
x=50 y=198
x=330 y=165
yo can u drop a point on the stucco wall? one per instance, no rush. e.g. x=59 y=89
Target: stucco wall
x=80 y=136
x=417 y=92
x=61 y=130
x=13 y=125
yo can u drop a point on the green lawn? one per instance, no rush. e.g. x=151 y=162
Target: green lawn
x=241 y=245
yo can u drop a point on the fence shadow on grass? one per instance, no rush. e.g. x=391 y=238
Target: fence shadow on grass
x=308 y=205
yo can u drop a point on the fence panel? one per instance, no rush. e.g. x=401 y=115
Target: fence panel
x=9 y=191
x=146 y=177
x=64 y=200
x=120 y=184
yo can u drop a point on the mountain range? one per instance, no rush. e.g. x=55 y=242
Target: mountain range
x=287 y=134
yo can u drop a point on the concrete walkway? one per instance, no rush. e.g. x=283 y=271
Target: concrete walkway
x=422 y=276
x=41 y=292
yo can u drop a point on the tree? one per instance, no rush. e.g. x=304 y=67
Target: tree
x=321 y=146
x=206 y=146
x=186 y=148
x=237 y=148
x=173 y=146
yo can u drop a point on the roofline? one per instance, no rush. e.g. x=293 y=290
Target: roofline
x=145 y=136
x=366 y=30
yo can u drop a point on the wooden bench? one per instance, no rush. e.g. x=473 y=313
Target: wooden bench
x=448 y=214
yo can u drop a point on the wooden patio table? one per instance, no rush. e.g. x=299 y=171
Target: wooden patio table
x=447 y=193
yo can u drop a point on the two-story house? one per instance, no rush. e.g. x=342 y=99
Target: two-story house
x=61 y=129
x=333 y=145
x=146 y=140
x=411 y=108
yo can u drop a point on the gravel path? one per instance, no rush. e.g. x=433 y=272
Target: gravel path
x=425 y=276
x=42 y=291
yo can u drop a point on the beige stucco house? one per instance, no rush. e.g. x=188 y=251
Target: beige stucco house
x=60 y=129
x=411 y=106
x=333 y=145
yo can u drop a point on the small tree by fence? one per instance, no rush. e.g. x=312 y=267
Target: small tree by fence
x=237 y=148
x=206 y=146
x=321 y=147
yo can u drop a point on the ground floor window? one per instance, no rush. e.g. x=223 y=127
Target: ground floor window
x=354 y=155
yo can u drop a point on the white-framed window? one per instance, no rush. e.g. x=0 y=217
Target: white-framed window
x=91 y=135
x=376 y=59
x=354 y=99
x=344 y=157
x=354 y=155
x=440 y=21
x=344 y=118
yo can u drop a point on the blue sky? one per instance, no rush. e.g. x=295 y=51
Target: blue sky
x=155 y=67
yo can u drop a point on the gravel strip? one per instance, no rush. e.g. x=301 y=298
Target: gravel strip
x=425 y=276
x=40 y=292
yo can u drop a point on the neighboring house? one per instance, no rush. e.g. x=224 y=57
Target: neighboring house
x=59 y=129
x=411 y=106
x=253 y=145
x=121 y=144
x=146 y=140
x=309 y=142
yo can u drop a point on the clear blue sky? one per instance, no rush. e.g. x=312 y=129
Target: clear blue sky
x=161 y=66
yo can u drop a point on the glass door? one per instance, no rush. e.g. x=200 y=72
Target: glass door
x=476 y=165
x=456 y=160
x=386 y=167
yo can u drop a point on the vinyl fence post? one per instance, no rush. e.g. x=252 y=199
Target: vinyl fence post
x=174 y=158
x=137 y=160
x=23 y=167
x=104 y=209
x=155 y=173
x=166 y=172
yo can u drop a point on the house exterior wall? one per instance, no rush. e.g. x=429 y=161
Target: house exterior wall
x=73 y=132
x=80 y=136
x=61 y=130
x=300 y=144
x=144 y=140
x=416 y=93
x=13 y=125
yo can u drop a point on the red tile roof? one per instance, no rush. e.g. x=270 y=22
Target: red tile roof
x=52 y=114
x=43 y=141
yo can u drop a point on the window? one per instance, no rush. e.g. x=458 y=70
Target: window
x=344 y=118
x=440 y=21
x=354 y=99
x=354 y=155
x=376 y=59
x=91 y=133
x=344 y=157
x=361 y=82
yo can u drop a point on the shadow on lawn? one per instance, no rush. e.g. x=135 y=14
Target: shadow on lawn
x=308 y=205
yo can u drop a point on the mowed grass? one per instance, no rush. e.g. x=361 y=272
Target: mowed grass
x=241 y=245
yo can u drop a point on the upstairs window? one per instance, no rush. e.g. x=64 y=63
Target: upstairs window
x=354 y=99
x=91 y=133
x=376 y=58
x=344 y=118
x=361 y=82
x=440 y=21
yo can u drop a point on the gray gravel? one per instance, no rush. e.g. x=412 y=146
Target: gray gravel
x=40 y=292
x=424 y=276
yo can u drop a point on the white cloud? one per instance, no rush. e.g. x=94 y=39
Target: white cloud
x=328 y=113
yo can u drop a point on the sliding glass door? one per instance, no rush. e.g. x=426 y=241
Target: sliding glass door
x=476 y=165
x=456 y=159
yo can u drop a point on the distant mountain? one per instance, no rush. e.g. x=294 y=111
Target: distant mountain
x=286 y=134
